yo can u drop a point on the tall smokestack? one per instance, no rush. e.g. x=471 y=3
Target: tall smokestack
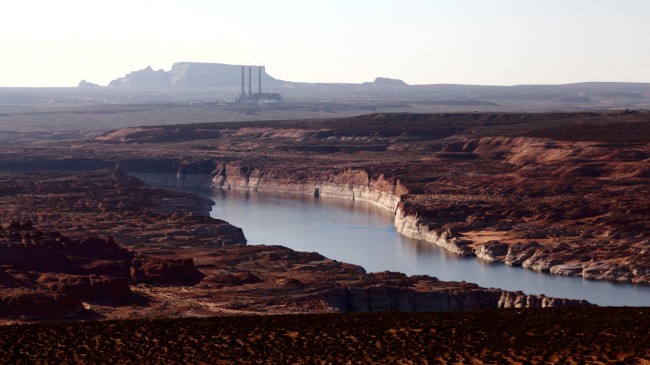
x=242 y=80
x=259 y=79
x=250 y=82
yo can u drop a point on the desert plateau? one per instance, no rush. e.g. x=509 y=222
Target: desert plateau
x=461 y=182
x=126 y=232
x=563 y=193
x=82 y=239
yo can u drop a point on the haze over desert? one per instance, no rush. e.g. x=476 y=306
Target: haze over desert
x=430 y=182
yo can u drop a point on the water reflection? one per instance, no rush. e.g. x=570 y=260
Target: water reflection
x=363 y=234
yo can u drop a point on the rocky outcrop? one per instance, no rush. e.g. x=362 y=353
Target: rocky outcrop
x=492 y=251
x=520 y=300
x=109 y=289
x=145 y=78
x=411 y=226
x=389 y=298
x=385 y=299
x=236 y=278
x=275 y=279
x=353 y=184
x=521 y=253
x=165 y=271
x=59 y=272
x=39 y=305
x=48 y=275
x=26 y=248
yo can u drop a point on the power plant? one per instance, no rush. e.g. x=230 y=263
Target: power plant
x=259 y=97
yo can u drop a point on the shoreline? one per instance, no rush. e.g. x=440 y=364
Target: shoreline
x=408 y=225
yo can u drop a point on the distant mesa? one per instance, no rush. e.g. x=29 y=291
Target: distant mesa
x=196 y=80
x=84 y=83
x=143 y=78
x=193 y=75
x=188 y=75
x=385 y=81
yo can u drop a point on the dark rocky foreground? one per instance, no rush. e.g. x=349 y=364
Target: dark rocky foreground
x=515 y=336
x=47 y=275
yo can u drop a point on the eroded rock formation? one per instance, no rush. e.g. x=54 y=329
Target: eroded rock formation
x=45 y=274
x=48 y=275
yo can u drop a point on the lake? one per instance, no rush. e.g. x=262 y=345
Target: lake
x=363 y=234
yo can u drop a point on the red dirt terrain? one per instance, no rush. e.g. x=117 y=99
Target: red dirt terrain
x=561 y=336
x=564 y=193
x=115 y=204
x=48 y=275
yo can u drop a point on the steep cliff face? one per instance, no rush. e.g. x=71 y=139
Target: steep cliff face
x=521 y=300
x=411 y=226
x=276 y=279
x=349 y=183
x=536 y=214
x=407 y=299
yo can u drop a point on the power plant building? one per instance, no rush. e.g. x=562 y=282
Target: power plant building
x=259 y=97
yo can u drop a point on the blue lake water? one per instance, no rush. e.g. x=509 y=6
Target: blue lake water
x=362 y=234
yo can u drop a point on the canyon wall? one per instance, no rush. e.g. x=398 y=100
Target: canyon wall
x=549 y=206
x=358 y=185
x=410 y=226
x=385 y=298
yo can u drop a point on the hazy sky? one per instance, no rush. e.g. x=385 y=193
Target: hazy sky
x=502 y=42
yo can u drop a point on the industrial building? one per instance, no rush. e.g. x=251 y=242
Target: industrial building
x=259 y=97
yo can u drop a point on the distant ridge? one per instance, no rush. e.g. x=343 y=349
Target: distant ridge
x=197 y=75
x=196 y=82
x=190 y=75
x=385 y=81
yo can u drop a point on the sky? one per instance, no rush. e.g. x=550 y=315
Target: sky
x=485 y=42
